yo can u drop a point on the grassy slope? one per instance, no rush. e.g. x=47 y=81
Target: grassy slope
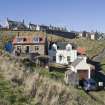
x=17 y=87
x=103 y=65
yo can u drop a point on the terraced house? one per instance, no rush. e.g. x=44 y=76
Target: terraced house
x=29 y=44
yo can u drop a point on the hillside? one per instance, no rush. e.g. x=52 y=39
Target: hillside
x=20 y=86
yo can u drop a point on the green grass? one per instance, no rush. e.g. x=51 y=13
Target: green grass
x=43 y=71
x=53 y=75
x=12 y=96
x=6 y=92
x=103 y=65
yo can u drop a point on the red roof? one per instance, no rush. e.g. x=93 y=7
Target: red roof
x=29 y=40
x=81 y=50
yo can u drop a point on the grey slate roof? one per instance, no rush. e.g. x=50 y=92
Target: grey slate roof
x=61 y=45
x=16 y=24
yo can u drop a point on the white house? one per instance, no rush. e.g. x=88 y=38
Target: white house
x=80 y=34
x=82 y=68
x=92 y=36
x=62 y=53
x=79 y=70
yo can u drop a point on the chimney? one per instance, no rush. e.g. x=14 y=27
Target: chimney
x=29 y=25
x=85 y=59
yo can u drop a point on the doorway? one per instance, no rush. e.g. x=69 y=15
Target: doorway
x=27 y=49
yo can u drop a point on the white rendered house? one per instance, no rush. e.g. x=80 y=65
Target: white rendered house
x=79 y=70
x=62 y=53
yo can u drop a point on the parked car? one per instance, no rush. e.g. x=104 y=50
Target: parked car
x=89 y=85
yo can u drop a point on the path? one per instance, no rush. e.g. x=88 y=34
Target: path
x=100 y=56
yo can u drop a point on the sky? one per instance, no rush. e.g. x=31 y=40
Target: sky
x=76 y=15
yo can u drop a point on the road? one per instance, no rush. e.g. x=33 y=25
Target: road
x=99 y=57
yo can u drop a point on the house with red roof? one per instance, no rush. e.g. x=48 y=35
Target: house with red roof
x=29 y=44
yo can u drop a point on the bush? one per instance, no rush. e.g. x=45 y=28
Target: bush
x=52 y=75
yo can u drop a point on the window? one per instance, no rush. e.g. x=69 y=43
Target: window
x=19 y=40
x=27 y=49
x=18 y=51
x=24 y=39
x=40 y=39
x=54 y=58
x=60 y=57
x=68 y=58
x=18 y=47
x=36 y=48
x=68 y=48
x=36 y=39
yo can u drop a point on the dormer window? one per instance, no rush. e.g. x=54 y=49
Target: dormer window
x=60 y=57
x=19 y=40
x=54 y=47
x=68 y=47
x=36 y=39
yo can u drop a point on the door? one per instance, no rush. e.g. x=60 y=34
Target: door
x=27 y=49
x=82 y=74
